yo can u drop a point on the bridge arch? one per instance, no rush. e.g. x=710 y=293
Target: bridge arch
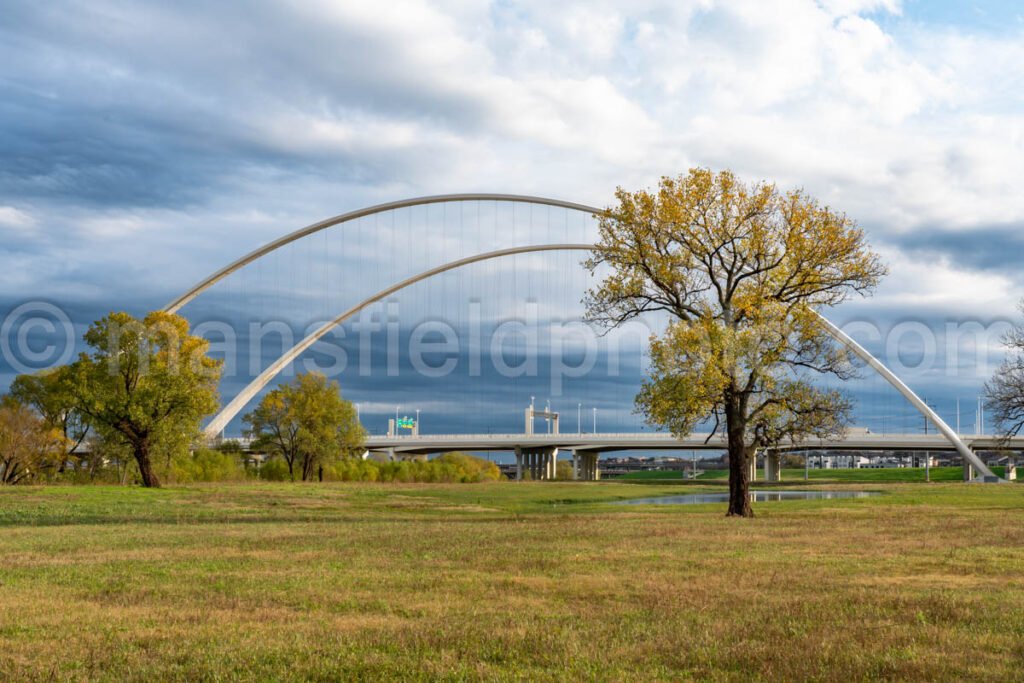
x=260 y=252
x=229 y=411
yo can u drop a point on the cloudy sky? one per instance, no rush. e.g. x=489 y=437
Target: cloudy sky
x=142 y=145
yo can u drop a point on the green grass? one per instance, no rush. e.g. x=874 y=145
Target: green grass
x=651 y=474
x=505 y=581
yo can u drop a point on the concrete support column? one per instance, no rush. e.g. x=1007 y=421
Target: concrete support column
x=540 y=462
x=968 y=471
x=752 y=467
x=772 y=466
x=1011 y=471
x=519 y=463
x=586 y=465
x=575 y=466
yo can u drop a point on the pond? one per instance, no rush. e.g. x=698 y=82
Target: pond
x=755 y=497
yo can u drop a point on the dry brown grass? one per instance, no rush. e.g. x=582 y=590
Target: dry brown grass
x=507 y=582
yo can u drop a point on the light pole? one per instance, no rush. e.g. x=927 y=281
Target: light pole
x=595 y=420
x=579 y=414
x=417 y=422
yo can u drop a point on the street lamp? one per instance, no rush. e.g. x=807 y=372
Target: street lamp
x=595 y=420
x=579 y=414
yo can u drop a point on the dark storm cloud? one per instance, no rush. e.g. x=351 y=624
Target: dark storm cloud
x=149 y=106
x=992 y=247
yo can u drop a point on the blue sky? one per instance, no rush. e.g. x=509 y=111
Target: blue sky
x=143 y=145
x=959 y=15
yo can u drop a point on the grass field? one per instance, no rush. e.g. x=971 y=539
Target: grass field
x=505 y=581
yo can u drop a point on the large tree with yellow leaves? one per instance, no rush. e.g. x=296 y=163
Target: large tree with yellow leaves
x=740 y=269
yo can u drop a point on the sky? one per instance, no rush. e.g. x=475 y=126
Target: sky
x=143 y=145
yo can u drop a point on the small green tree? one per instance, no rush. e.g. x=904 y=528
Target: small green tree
x=307 y=423
x=563 y=470
x=51 y=393
x=147 y=384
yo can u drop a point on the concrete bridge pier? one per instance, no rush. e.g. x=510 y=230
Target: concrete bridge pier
x=772 y=466
x=539 y=462
x=968 y=471
x=585 y=465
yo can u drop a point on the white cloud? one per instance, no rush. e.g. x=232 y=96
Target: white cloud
x=848 y=7
x=12 y=218
x=322 y=107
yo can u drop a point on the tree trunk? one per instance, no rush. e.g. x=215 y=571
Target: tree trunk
x=739 y=462
x=149 y=478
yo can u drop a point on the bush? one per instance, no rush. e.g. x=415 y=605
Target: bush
x=448 y=468
x=468 y=468
x=208 y=465
x=274 y=469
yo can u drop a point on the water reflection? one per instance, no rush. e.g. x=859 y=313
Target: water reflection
x=755 y=497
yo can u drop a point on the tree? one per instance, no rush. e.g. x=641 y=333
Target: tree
x=51 y=393
x=147 y=384
x=27 y=444
x=307 y=423
x=740 y=271
x=1004 y=393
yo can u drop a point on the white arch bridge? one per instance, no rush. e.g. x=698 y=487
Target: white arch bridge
x=947 y=439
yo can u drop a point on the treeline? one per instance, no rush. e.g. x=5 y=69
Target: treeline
x=228 y=463
x=449 y=468
x=130 y=410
